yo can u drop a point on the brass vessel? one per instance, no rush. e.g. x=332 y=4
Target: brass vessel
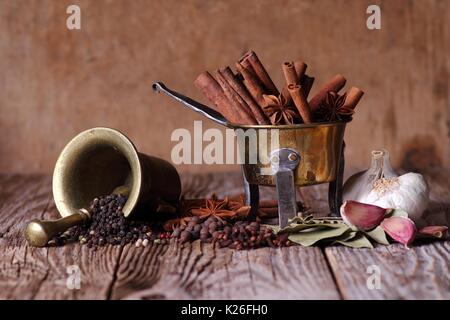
x=318 y=145
x=101 y=161
x=303 y=155
x=289 y=156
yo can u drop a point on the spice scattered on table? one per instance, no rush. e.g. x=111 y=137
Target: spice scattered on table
x=108 y=225
x=236 y=235
x=217 y=221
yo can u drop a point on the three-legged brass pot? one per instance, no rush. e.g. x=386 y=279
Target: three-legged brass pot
x=283 y=156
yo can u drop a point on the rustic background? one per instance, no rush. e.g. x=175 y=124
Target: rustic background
x=55 y=83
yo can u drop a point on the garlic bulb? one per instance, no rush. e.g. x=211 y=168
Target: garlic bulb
x=380 y=186
x=361 y=183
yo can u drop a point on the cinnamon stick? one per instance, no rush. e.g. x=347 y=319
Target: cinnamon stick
x=333 y=85
x=242 y=91
x=252 y=84
x=353 y=96
x=299 y=67
x=300 y=102
x=240 y=107
x=290 y=74
x=211 y=89
x=260 y=72
x=306 y=83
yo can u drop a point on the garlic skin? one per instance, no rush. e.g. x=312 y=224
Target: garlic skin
x=360 y=184
x=400 y=229
x=381 y=186
x=439 y=232
x=361 y=215
x=410 y=193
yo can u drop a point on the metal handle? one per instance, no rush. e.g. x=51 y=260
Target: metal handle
x=283 y=162
x=39 y=232
x=192 y=104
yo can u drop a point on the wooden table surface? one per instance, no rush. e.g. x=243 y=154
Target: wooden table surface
x=196 y=271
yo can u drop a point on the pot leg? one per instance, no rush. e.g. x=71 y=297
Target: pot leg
x=283 y=162
x=251 y=197
x=335 y=187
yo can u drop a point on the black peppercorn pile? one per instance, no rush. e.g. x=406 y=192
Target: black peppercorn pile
x=238 y=235
x=108 y=225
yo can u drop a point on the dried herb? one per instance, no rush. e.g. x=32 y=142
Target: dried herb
x=225 y=208
x=232 y=209
x=314 y=235
x=378 y=235
x=279 y=110
x=355 y=239
x=308 y=231
x=333 y=108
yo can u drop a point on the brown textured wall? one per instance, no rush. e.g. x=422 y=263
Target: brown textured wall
x=55 y=82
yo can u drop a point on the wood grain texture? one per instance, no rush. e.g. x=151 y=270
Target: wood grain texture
x=22 y=269
x=56 y=83
x=41 y=273
x=196 y=271
x=422 y=272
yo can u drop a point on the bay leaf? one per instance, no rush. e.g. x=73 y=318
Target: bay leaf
x=311 y=236
x=378 y=235
x=358 y=241
x=297 y=225
x=301 y=220
x=293 y=228
x=348 y=235
x=330 y=223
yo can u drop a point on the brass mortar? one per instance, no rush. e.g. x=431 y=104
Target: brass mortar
x=101 y=161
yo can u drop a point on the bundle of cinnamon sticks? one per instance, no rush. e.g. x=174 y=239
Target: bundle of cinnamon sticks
x=250 y=97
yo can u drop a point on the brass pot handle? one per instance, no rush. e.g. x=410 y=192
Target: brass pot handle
x=192 y=104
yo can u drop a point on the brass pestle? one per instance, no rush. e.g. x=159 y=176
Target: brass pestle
x=102 y=161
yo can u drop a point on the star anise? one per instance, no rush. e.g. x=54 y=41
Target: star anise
x=279 y=110
x=203 y=208
x=333 y=108
x=225 y=208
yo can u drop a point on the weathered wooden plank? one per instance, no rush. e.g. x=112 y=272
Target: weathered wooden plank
x=22 y=269
x=196 y=271
x=421 y=272
x=201 y=271
x=41 y=273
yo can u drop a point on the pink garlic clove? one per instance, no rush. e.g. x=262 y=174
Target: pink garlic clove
x=400 y=229
x=361 y=215
x=434 y=231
